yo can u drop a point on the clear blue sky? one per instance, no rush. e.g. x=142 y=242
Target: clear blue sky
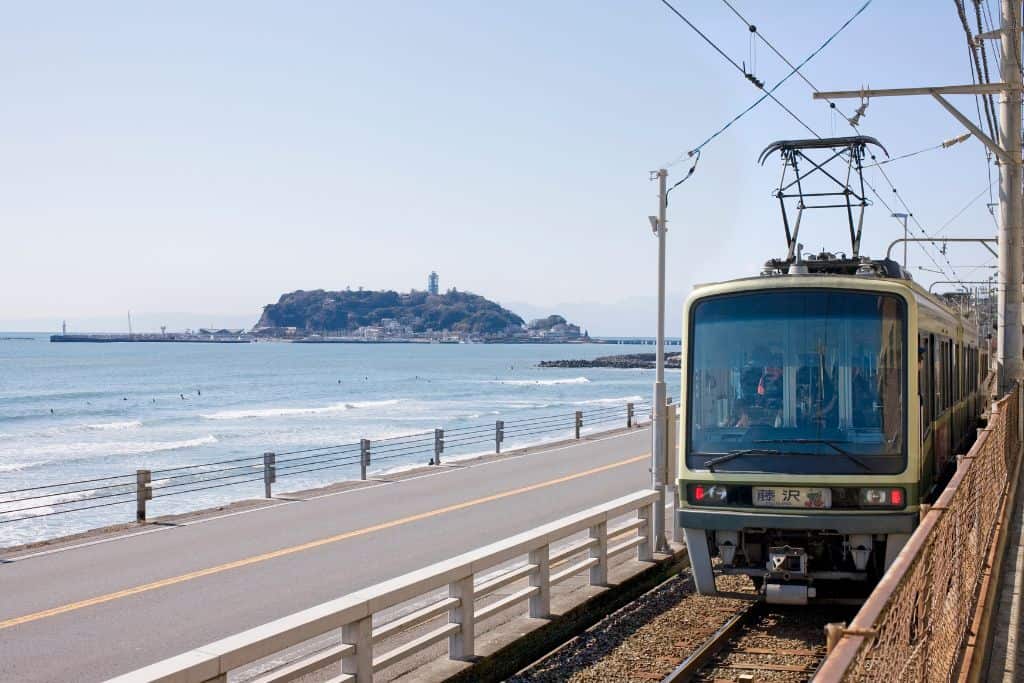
x=203 y=158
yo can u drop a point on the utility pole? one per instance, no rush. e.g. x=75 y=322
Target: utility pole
x=659 y=431
x=1010 y=351
x=1011 y=218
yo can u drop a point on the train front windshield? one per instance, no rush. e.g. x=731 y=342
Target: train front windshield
x=799 y=382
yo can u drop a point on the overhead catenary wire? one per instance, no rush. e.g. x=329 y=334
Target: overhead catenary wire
x=769 y=93
x=982 y=72
x=986 y=190
x=853 y=122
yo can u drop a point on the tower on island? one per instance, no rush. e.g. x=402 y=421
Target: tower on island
x=432 y=283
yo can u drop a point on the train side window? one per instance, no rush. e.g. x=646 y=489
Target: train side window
x=937 y=374
x=949 y=374
x=957 y=373
x=924 y=381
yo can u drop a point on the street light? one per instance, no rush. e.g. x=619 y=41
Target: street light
x=659 y=432
x=903 y=217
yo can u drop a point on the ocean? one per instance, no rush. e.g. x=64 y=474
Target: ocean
x=74 y=412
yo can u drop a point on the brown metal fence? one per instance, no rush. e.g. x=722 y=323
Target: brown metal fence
x=916 y=623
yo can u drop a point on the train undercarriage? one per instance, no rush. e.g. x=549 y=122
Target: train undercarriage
x=792 y=566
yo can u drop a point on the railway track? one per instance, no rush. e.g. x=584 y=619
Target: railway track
x=673 y=635
x=763 y=643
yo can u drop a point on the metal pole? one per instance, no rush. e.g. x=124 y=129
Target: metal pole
x=364 y=457
x=902 y=217
x=579 y=422
x=658 y=430
x=1010 y=353
x=438 y=445
x=143 y=492
x=629 y=415
x=905 y=242
x=499 y=434
x=269 y=472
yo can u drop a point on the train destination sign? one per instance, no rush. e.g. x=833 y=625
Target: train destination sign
x=792 y=497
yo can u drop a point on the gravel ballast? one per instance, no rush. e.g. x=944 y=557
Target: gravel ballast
x=647 y=639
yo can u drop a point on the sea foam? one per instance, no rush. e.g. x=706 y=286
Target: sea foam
x=249 y=413
x=543 y=382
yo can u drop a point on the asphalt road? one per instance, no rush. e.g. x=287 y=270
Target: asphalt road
x=89 y=612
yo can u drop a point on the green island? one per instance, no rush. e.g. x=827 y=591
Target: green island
x=417 y=316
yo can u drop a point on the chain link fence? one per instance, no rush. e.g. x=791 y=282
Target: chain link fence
x=916 y=623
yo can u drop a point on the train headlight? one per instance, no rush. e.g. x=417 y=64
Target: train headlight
x=883 y=497
x=709 y=494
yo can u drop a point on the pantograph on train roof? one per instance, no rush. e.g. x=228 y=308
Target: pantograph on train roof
x=806 y=183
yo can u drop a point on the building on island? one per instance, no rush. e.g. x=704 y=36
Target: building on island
x=432 y=283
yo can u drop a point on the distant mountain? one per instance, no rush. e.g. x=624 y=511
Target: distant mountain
x=346 y=311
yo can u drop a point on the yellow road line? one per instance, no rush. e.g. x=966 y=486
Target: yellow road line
x=135 y=590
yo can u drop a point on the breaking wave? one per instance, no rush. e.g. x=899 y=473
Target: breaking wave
x=250 y=413
x=543 y=382
x=114 y=426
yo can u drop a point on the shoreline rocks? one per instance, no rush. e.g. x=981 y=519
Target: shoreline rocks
x=644 y=361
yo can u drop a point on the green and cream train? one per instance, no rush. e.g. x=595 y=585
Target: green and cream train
x=823 y=402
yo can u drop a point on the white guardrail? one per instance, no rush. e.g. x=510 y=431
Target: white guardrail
x=354 y=613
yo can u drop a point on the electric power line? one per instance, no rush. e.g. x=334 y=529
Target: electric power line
x=767 y=93
x=851 y=121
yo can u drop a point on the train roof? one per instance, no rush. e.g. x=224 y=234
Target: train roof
x=864 y=274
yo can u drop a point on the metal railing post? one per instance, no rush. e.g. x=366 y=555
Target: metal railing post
x=269 y=473
x=540 y=603
x=629 y=416
x=359 y=664
x=579 y=422
x=645 y=549
x=143 y=492
x=364 y=457
x=460 y=643
x=438 y=445
x=499 y=434
x=599 y=551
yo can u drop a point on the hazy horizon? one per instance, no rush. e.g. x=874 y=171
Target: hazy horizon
x=625 y=318
x=206 y=158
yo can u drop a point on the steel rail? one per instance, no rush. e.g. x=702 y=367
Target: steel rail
x=696 y=661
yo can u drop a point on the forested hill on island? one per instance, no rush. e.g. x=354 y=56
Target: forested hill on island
x=415 y=314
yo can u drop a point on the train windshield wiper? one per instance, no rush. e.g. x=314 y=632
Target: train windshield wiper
x=731 y=455
x=825 y=442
